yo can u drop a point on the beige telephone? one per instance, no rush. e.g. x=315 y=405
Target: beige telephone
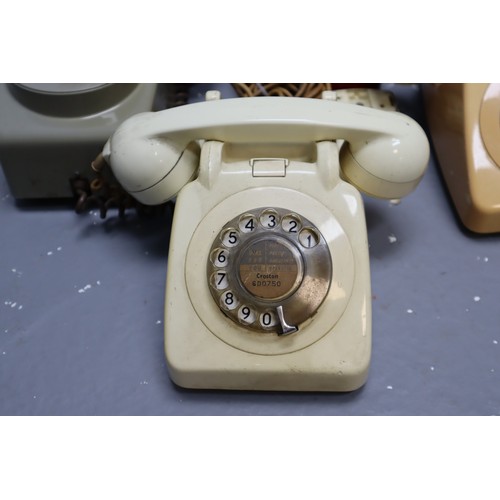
x=464 y=123
x=268 y=275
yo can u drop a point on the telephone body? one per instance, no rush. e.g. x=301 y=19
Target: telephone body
x=51 y=131
x=268 y=280
x=464 y=124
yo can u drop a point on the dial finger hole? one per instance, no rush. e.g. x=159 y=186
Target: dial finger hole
x=291 y=224
x=308 y=237
x=228 y=300
x=247 y=223
x=219 y=280
x=230 y=238
x=220 y=257
x=269 y=219
x=246 y=315
x=268 y=319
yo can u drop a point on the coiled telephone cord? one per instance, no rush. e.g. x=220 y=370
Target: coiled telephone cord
x=105 y=193
x=313 y=90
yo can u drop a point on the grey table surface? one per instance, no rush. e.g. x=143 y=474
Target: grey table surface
x=81 y=314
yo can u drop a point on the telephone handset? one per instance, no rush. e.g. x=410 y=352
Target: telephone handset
x=268 y=273
x=152 y=157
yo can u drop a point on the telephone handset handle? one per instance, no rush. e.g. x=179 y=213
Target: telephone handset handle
x=153 y=154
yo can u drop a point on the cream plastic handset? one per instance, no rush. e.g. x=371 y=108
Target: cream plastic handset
x=268 y=274
x=386 y=155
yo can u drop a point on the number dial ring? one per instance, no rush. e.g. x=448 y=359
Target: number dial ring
x=254 y=341
x=274 y=257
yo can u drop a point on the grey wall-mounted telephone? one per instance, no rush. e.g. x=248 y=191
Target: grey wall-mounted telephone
x=268 y=284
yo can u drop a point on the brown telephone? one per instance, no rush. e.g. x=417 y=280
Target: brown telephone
x=464 y=123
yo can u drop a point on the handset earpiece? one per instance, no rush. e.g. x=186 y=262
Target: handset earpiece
x=152 y=169
x=389 y=164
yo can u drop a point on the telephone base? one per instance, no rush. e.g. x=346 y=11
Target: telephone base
x=319 y=367
x=269 y=382
x=205 y=349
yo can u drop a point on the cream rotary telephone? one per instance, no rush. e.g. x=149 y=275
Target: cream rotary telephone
x=268 y=281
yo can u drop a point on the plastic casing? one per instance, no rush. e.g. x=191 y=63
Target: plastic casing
x=465 y=129
x=156 y=157
x=204 y=349
x=386 y=152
